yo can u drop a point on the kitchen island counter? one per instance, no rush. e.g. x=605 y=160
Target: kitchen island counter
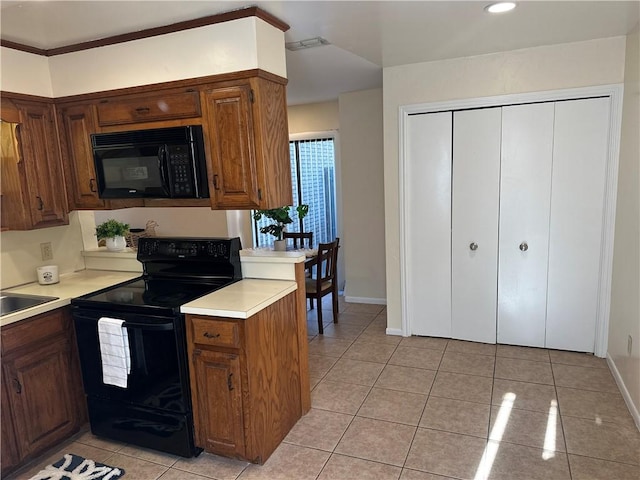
x=241 y=299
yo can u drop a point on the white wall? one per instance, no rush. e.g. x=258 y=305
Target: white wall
x=625 y=288
x=23 y=72
x=597 y=62
x=362 y=163
x=20 y=251
x=172 y=222
x=314 y=117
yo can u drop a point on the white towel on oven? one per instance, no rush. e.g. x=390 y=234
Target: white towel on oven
x=114 y=351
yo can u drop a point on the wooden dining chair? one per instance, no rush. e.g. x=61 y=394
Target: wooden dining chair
x=299 y=239
x=326 y=279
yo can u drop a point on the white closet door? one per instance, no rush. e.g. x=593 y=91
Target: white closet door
x=525 y=192
x=428 y=224
x=577 y=201
x=474 y=245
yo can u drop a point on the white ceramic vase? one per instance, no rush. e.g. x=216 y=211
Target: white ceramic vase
x=116 y=244
x=280 y=245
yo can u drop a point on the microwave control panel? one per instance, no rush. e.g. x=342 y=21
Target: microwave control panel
x=180 y=173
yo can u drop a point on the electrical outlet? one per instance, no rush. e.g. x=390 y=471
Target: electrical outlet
x=46 y=251
x=629 y=345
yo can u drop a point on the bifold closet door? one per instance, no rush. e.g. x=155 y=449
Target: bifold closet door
x=428 y=224
x=474 y=227
x=581 y=134
x=525 y=195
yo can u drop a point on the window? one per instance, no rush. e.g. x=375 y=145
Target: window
x=313 y=182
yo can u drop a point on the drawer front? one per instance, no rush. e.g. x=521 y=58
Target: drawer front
x=39 y=328
x=215 y=332
x=149 y=109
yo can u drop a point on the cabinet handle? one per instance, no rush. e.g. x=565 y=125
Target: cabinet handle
x=211 y=335
x=229 y=382
x=40 y=203
x=142 y=110
x=92 y=185
x=17 y=385
x=215 y=182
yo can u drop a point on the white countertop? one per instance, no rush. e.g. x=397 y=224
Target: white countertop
x=71 y=285
x=241 y=299
x=269 y=255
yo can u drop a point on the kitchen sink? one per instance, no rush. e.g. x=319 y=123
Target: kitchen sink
x=13 y=302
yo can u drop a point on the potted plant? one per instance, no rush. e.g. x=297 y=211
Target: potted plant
x=113 y=232
x=281 y=219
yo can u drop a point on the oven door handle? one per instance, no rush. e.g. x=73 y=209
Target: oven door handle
x=149 y=326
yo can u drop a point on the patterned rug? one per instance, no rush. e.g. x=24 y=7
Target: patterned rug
x=73 y=467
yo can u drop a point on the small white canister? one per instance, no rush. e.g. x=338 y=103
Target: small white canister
x=48 y=275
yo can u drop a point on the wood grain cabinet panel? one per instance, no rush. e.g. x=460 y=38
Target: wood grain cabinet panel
x=246 y=398
x=77 y=123
x=247 y=137
x=36 y=197
x=139 y=108
x=42 y=393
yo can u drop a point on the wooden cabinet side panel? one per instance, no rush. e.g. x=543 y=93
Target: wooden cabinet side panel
x=272 y=354
x=303 y=340
x=78 y=123
x=272 y=143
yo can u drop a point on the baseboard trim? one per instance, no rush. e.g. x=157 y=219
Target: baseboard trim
x=623 y=389
x=394 y=331
x=374 y=301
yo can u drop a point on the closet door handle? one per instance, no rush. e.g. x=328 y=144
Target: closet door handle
x=473 y=246
x=523 y=247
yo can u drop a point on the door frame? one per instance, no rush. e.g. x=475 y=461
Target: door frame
x=614 y=92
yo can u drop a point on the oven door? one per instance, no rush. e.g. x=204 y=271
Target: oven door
x=158 y=378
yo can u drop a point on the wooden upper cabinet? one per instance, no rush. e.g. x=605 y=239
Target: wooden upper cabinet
x=33 y=194
x=77 y=123
x=247 y=144
x=138 y=108
x=233 y=172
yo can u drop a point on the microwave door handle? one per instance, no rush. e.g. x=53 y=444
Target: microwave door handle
x=163 y=160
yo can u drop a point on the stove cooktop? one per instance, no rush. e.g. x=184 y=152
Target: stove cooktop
x=153 y=296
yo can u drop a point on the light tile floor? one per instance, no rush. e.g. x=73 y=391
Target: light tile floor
x=386 y=407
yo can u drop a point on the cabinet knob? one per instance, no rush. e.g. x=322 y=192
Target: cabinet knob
x=473 y=246
x=523 y=247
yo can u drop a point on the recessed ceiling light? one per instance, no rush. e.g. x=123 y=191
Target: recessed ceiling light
x=500 y=7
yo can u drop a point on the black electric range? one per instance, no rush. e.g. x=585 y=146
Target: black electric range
x=153 y=409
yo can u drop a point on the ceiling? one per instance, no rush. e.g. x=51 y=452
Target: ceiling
x=364 y=36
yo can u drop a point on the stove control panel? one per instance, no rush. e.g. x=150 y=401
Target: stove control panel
x=150 y=248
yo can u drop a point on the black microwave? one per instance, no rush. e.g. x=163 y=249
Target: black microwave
x=158 y=163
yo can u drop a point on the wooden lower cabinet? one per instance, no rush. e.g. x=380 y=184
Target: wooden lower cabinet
x=42 y=400
x=246 y=380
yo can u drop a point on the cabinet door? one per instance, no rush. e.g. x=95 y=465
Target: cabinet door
x=474 y=224
x=428 y=224
x=41 y=396
x=231 y=148
x=45 y=192
x=218 y=415
x=525 y=196
x=9 y=450
x=581 y=136
x=78 y=124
